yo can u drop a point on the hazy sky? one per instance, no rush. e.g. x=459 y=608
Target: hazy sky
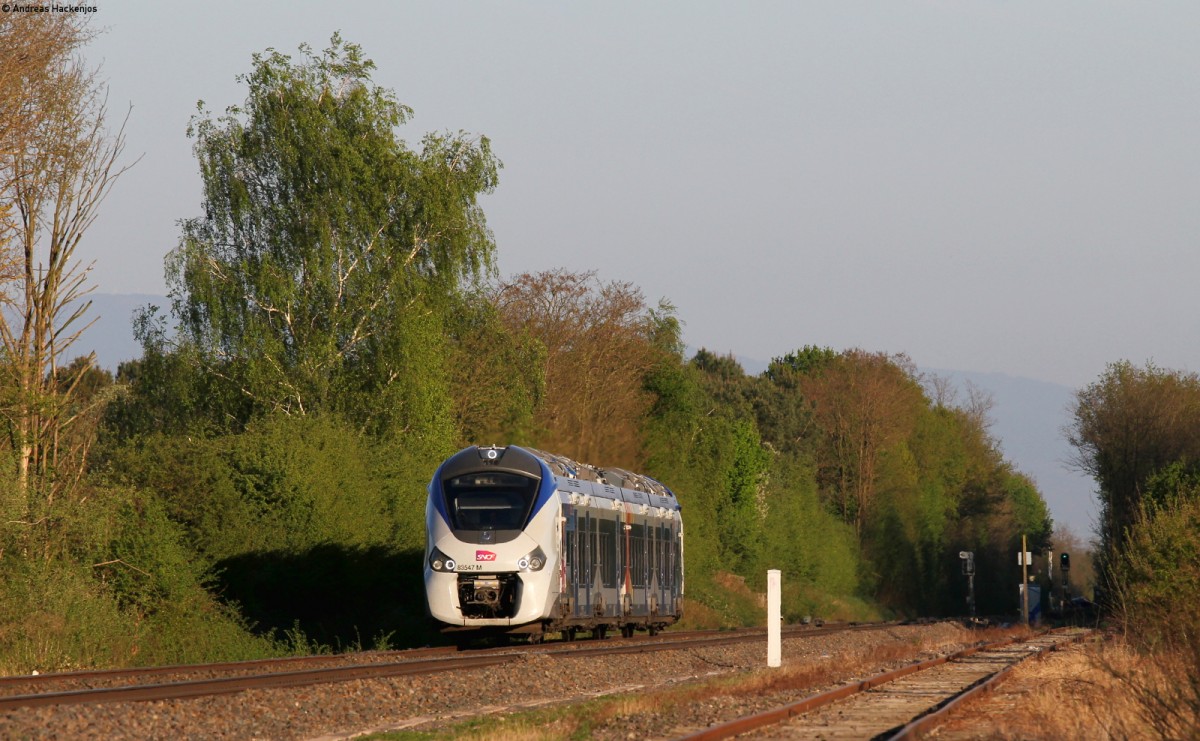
x=989 y=186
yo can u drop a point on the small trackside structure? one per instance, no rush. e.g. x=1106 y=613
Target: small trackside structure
x=520 y=541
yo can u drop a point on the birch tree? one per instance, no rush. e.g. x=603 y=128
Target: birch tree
x=32 y=47
x=58 y=165
x=328 y=252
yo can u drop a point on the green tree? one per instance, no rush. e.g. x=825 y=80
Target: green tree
x=743 y=507
x=497 y=375
x=815 y=550
x=785 y=415
x=284 y=484
x=724 y=380
x=1155 y=582
x=328 y=255
x=865 y=403
x=599 y=342
x=1128 y=425
x=808 y=360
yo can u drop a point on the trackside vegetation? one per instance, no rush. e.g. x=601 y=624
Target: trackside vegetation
x=254 y=483
x=1137 y=431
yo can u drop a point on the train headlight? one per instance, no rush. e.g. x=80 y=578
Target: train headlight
x=532 y=561
x=439 y=561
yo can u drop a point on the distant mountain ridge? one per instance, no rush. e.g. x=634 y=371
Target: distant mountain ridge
x=1030 y=421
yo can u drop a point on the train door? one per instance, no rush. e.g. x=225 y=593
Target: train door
x=652 y=579
x=607 y=534
x=588 y=559
x=660 y=560
x=676 y=565
x=640 y=566
x=571 y=560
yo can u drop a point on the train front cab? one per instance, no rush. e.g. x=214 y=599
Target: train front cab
x=489 y=515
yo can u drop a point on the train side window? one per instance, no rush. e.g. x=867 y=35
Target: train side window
x=637 y=561
x=608 y=553
x=661 y=560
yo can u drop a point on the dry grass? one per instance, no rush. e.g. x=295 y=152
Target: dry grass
x=1073 y=697
x=1087 y=692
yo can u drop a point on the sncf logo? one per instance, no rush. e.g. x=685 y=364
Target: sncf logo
x=485 y=556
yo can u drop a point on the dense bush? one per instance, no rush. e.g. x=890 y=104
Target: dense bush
x=1156 y=580
x=55 y=616
x=120 y=585
x=285 y=484
x=1158 y=576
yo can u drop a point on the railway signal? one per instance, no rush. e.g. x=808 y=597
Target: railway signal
x=968 y=568
x=1064 y=562
x=1024 y=560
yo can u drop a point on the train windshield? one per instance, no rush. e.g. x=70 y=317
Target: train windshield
x=490 y=501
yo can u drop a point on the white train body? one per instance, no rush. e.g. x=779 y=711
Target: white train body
x=522 y=541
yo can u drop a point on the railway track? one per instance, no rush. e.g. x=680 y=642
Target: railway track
x=900 y=704
x=190 y=681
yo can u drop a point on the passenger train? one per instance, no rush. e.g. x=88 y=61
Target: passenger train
x=519 y=541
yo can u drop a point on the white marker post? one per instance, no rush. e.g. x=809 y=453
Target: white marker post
x=774 y=621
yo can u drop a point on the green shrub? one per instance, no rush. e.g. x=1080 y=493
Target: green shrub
x=55 y=616
x=1158 y=576
x=1157 y=580
x=285 y=485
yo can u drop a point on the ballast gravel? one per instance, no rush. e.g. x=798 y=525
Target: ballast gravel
x=437 y=702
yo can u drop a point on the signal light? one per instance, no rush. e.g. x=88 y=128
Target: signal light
x=1064 y=561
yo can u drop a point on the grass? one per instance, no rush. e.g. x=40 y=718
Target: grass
x=1071 y=695
x=726 y=601
x=1108 y=690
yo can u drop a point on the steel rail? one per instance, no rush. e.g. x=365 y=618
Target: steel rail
x=226 y=685
x=238 y=683
x=410 y=653
x=248 y=665
x=699 y=640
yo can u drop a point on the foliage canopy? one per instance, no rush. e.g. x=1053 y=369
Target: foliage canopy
x=329 y=253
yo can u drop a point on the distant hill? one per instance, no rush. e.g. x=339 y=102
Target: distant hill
x=1029 y=419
